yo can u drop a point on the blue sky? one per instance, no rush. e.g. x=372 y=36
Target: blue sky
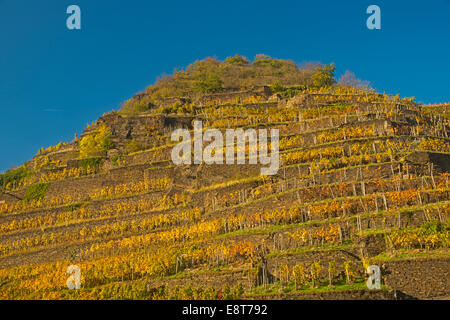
x=53 y=80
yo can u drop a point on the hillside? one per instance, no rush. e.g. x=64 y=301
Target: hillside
x=363 y=180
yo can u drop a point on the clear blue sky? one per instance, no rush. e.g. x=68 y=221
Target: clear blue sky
x=53 y=81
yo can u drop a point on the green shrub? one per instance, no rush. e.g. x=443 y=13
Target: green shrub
x=13 y=177
x=324 y=76
x=36 y=191
x=208 y=82
x=276 y=86
x=291 y=92
x=433 y=227
x=263 y=60
x=91 y=163
x=97 y=143
x=237 y=60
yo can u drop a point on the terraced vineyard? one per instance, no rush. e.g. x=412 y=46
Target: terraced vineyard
x=363 y=180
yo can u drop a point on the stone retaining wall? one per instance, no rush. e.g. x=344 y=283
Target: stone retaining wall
x=419 y=278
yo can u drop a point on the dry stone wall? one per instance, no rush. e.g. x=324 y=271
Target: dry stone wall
x=419 y=278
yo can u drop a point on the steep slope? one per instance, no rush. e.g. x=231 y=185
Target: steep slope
x=363 y=180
